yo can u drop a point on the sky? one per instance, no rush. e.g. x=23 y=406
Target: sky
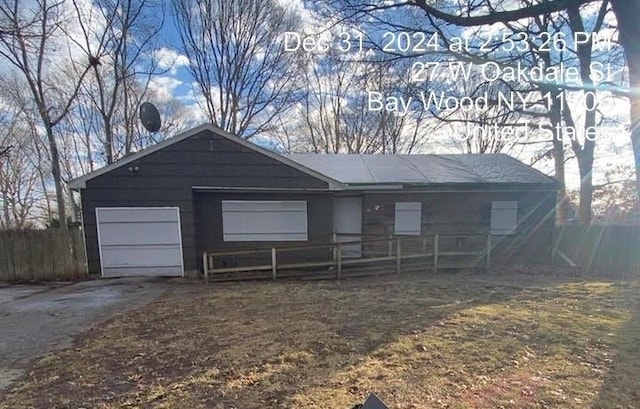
x=612 y=148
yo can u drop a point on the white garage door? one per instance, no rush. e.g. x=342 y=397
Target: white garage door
x=138 y=241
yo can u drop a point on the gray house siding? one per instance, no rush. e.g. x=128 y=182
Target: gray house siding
x=209 y=232
x=166 y=178
x=469 y=213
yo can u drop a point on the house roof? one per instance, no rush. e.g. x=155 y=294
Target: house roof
x=342 y=171
x=423 y=170
x=80 y=182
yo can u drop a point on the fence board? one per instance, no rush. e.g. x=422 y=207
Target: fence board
x=28 y=255
x=601 y=247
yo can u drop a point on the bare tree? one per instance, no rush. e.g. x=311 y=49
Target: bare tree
x=626 y=13
x=174 y=114
x=26 y=25
x=559 y=112
x=616 y=200
x=532 y=18
x=333 y=116
x=84 y=125
x=18 y=182
x=584 y=151
x=6 y=121
x=30 y=50
x=20 y=191
x=332 y=110
x=476 y=127
x=629 y=31
x=244 y=75
x=123 y=34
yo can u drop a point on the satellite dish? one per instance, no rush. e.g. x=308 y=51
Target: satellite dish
x=150 y=117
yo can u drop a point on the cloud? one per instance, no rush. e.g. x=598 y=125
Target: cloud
x=170 y=59
x=164 y=86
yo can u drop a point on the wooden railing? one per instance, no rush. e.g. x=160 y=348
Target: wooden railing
x=373 y=250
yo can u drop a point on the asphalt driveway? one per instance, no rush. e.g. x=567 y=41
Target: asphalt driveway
x=35 y=319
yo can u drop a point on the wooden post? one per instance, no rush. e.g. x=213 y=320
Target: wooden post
x=273 y=262
x=339 y=260
x=390 y=246
x=488 y=250
x=557 y=237
x=205 y=266
x=435 y=253
x=334 y=240
x=424 y=248
x=398 y=256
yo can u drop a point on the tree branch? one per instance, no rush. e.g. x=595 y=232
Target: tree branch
x=546 y=7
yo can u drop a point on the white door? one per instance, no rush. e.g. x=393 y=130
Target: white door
x=347 y=220
x=139 y=241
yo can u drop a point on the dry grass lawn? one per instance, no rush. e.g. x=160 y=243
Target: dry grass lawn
x=452 y=341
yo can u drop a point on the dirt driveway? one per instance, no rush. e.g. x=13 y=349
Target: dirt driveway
x=35 y=319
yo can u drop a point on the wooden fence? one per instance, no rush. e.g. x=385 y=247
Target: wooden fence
x=34 y=255
x=604 y=248
x=374 y=255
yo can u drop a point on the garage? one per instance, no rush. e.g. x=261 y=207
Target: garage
x=139 y=241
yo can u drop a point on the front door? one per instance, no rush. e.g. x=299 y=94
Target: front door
x=347 y=223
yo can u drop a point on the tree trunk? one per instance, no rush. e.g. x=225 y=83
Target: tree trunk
x=108 y=145
x=585 y=157
x=57 y=176
x=634 y=77
x=635 y=128
x=89 y=151
x=562 y=201
x=75 y=209
x=43 y=184
x=627 y=13
x=584 y=153
x=585 y=165
x=5 y=208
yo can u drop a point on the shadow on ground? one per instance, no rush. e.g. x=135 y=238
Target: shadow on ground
x=621 y=386
x=418 y=341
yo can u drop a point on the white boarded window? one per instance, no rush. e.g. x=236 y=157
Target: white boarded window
x=255 y=220
x=408 y=220
x=504 y=218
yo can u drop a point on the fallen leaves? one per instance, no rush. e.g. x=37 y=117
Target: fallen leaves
x=417 y=341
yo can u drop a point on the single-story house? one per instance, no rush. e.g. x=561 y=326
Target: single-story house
x=156 y=211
